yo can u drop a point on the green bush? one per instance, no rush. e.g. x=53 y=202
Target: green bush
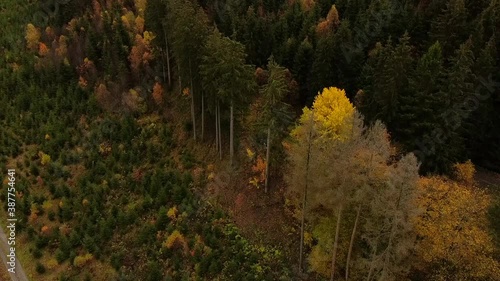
x=34 y=169
x=40 y=268
x=61 y=256
x=37 y=253
x=117 y=260
x=188 y=126
x=154 y=272
x=41 y=242
x=188 y=160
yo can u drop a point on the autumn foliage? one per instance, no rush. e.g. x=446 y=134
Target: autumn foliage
x=259 y=171
x=32 y=37
x=454 y=243
x=464 y=172
x=328 y=25
x=158 y=94
x=332 y=112
x=176 y=241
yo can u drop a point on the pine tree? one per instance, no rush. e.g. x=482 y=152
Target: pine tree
x=448 y=147
x=189 y=32
x=275 y=111
x=226 y=77
x=156 y=20
x=331 y=64
x=450 y=27
x=480 y=134
x=421 y=105
x=386 y=76
x=301 y=66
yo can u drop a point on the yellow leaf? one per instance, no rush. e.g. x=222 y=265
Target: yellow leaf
x=250 y=153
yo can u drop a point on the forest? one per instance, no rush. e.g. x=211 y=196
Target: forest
x=249 y=140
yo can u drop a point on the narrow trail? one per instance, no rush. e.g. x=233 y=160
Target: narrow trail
x=19 y=274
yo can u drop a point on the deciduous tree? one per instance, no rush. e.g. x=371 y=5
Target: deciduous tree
x=454 y=243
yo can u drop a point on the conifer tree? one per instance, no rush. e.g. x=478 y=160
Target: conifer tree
x=450 y=27
x=301 y=67
x=275 y=111
x=459 y=86
x=189 y=32
x=386 y=75
x=420 y=105
x=226 y=76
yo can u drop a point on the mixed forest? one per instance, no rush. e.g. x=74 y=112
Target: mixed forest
x=253 y=139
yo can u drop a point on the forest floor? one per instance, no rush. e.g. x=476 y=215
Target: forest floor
x=487 y=178
x=261 y=217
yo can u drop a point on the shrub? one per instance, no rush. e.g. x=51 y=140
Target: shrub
x=162 y=219
x=44 y=158
x=188 y=160
x=37 y=253
x=61 y=256
x=34 y=169
x=154 y=272
x=52 y=263
x=51 y=215
x=175 y=240
x=188 y=126
x=464 y=172
x=172 y=213
x=41 y=242
x=82 y=260
x=40 y=268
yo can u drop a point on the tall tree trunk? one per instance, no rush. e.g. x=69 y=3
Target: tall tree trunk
x=180 y=79
x=193 y=117
x=231 y=135
x=216 y=126
x=268 y=152
x=336 y=242
x=304 y=198
x=220 y=133
x=302 y=222
x=168 y=58
x=372 y=263
x=202 y=116
x=391 y=235
x=353 y=235
x=163 y=68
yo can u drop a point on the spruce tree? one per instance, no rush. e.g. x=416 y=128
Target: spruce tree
x=189 y=31
x=301 y=67
x=276 y=113
x=226 y=77
x=481 y=136
x=421 y=104
x=450 y=27
x=447 y=147
x=386 y=76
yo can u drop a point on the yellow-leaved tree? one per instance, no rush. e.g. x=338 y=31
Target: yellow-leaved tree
x=32 y=37
x=454 y=243
x=349 y=179
x=333 y=113
x=330 y=118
